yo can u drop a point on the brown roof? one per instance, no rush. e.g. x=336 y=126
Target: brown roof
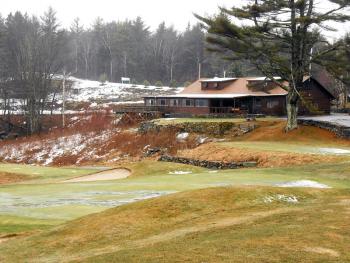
x=240 y=86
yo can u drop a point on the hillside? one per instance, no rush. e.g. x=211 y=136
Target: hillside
x=95 y=95
x=219 y=224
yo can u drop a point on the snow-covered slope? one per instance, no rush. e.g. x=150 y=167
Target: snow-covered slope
x=94 y=91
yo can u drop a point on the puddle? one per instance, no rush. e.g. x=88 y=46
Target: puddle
x=12 y=203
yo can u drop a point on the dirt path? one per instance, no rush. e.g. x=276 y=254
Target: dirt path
x=115 y=174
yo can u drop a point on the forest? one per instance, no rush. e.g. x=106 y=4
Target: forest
x=110 y=50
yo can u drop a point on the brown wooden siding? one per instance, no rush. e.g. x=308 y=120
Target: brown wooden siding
x=316 y=95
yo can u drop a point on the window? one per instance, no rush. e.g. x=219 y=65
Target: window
x=175 y=102
x=150 y=102
x=202 y=103
x=258 y=102
x=272 y=104
x=162 y=102
x=189 y=103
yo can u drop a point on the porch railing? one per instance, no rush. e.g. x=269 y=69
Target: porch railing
x=227 y=110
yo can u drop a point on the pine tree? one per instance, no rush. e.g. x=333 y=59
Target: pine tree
x=277 y=37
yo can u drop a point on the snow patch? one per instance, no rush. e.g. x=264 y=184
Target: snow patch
x=303 y=183
x=281 y=198
x=182 y=136
x=334 y=151
x=180 y=172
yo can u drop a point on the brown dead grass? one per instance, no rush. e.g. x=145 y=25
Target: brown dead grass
x=213 y=152
x=271 y=131
x=128 y=146
x=9 y=178
x=86 y=123
x=275 y=131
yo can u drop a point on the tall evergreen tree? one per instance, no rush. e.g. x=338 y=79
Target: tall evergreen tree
x=277 y=37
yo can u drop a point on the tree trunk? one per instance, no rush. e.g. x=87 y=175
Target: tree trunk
x=292 y=111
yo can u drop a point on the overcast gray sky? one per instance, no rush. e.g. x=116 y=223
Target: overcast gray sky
x=174 y=12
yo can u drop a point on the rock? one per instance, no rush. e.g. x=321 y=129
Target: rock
x=151 y=151
x=207 y=164
x=182 y=136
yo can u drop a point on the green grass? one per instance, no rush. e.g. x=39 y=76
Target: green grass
x=45 y=174
x=67 y=201
x=227 y=224
x=48 y=203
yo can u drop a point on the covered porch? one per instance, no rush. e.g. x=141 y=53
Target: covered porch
x=242 y=105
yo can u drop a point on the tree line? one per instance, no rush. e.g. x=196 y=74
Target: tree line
x=34 y=50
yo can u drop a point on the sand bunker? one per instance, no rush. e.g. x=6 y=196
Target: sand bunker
x=115 y=174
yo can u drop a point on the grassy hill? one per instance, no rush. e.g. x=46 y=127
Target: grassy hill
x=249 y=224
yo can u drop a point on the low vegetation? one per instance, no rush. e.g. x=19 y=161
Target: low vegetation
x=199 y=215
x=222 y=224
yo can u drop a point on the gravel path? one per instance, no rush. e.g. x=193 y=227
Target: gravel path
x=115 y=174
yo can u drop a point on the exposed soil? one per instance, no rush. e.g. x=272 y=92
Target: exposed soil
x=9 y=178
x=214 y=152
x=115 y=174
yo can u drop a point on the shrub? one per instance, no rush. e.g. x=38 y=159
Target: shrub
x=103 y=79
x=159 y=84
x=187 y=83
x=173 y=84
x=146 y=83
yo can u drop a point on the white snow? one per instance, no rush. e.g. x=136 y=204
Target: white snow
x=334 y=151
x=46 y=151
x=303 y=183
x=182 y=136
x=106 y=95
x=180 y=172
x=284 y=198
x=116 y=93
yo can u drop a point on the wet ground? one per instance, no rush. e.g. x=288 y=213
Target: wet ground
x=338 y=119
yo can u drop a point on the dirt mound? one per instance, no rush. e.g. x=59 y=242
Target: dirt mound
x=214 y=152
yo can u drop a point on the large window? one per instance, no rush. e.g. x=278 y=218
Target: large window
x=175 y=102
x=150 y=102
x=162 y=102
x=189 y=103
x=272 y=103
x=202 y=103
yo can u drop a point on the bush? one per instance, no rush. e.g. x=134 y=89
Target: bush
x=146 y=83
x=103 y=79
x=159 y=84
x=187 y=83
x=173 y=84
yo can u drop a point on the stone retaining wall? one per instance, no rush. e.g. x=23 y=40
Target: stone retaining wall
x=207 y=164
x=339 y=130
x=213 y=128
